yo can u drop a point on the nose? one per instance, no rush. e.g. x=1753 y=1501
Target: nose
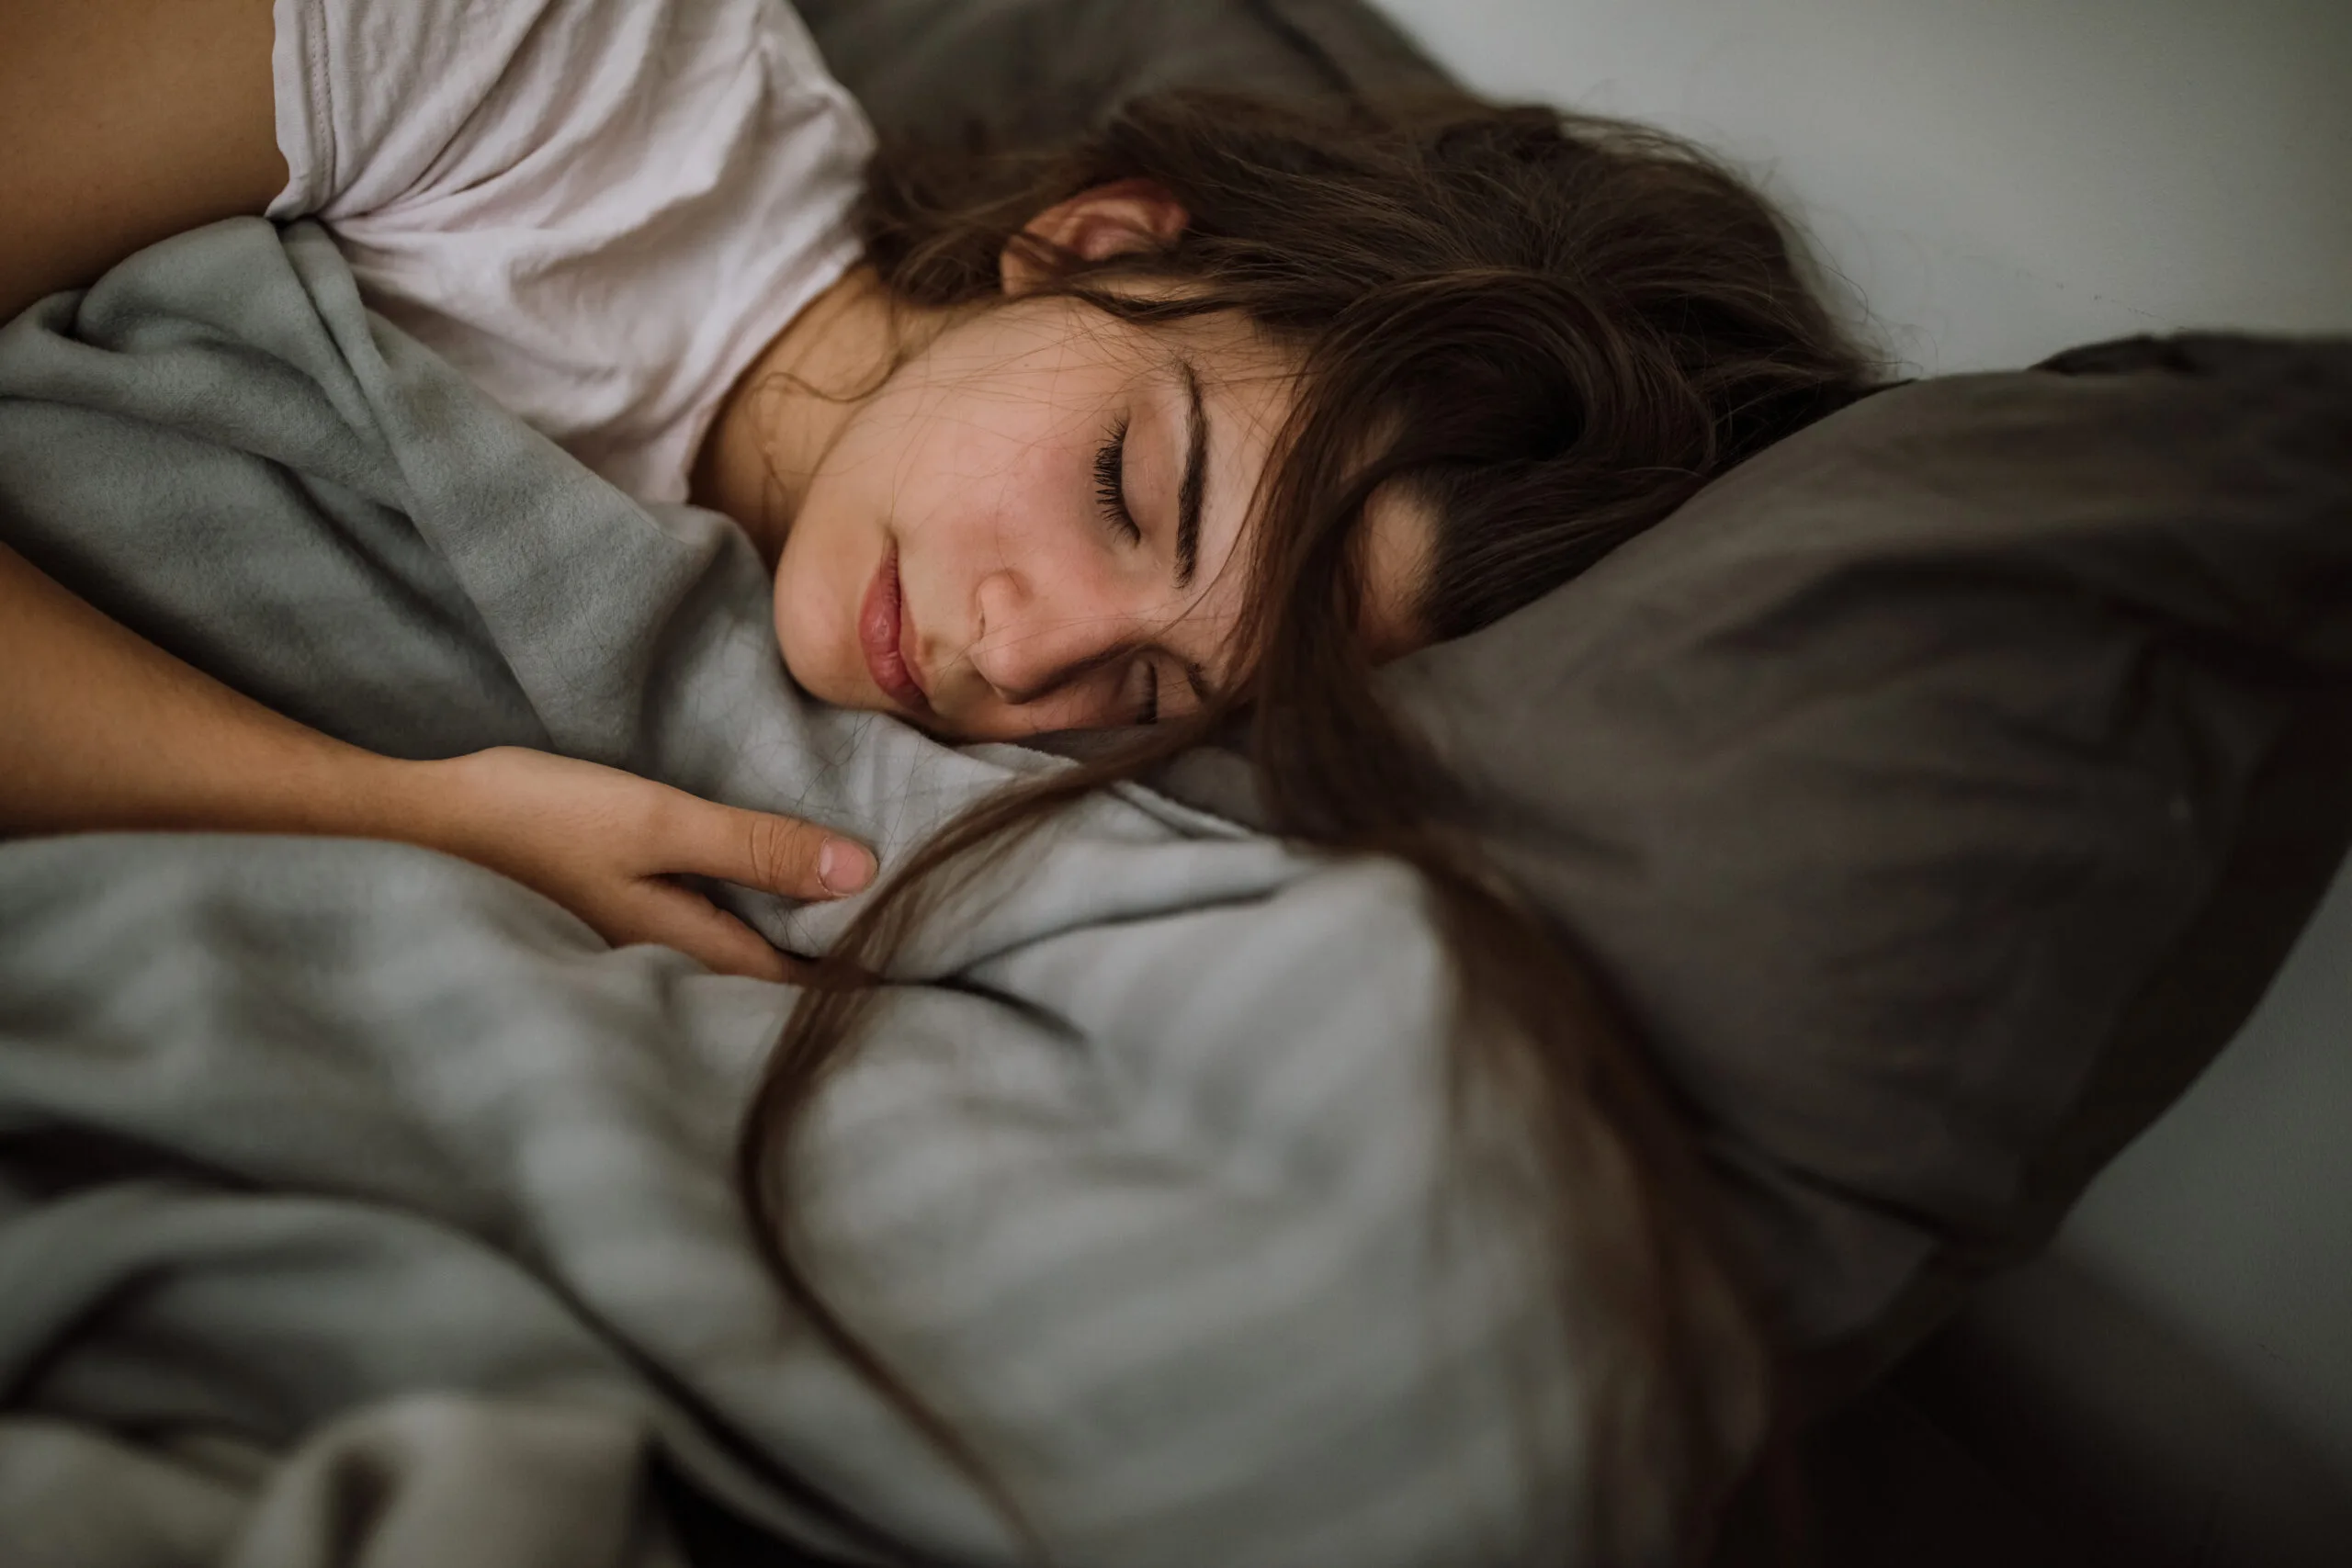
x=1039 y=633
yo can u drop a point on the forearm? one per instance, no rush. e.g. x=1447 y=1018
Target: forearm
x=105 y=730
x=101 y=730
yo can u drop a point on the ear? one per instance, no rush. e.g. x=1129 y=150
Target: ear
x=1109 y=221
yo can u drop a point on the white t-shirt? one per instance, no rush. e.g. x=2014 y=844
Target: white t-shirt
x=601 y=210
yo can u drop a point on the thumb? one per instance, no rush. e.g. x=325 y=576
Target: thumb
x=776 y=854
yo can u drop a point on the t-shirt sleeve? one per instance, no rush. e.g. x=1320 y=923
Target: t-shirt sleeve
x=600 y=210
x=381 y=103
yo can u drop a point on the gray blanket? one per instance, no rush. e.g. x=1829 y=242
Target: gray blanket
x=357 y=1205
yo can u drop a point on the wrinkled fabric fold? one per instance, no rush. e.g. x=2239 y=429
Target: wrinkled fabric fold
x=1141 y=1174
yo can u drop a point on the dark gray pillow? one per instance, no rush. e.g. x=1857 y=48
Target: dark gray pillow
x=1941 y=788
x=1038 y=70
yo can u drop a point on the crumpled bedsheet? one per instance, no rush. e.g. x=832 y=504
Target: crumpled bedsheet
x=359 y=1205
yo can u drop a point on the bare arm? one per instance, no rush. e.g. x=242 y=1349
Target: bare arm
x=129 y=120
x=105 y=731
x=126 y=121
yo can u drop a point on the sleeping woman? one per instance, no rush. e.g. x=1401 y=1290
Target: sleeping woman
x=1190 y=422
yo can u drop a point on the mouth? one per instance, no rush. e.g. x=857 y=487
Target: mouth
x=884 y=636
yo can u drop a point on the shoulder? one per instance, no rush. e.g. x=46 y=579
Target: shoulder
x=385 y=102
x=599 y=209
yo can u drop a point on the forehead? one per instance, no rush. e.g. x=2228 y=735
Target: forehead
x=1247 y=389
x=1250 y=387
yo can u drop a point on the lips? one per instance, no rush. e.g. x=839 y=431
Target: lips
x=882 y=636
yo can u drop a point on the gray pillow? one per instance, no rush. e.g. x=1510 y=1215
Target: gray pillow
x=1940 y=790
x=1038 y=70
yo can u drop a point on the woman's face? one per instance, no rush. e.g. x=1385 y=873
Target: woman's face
x=1037 y=524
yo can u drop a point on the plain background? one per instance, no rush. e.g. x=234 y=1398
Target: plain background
x=1991 y=181
x=1996 y=179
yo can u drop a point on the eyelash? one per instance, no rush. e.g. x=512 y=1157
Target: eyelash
x=1111 y=500
x=1110 y=483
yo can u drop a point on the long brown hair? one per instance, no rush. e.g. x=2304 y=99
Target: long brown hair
x=1550 y=330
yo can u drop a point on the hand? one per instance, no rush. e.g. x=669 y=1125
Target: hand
x=606 y=845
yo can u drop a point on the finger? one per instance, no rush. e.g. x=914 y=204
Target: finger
x=778 y=855
x=680 y=918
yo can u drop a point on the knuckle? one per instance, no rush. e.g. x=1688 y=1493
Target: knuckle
x=779 y=852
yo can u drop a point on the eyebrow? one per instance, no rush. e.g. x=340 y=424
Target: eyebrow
x=1193 y=485
x=1198 y=678
x=1191 y=489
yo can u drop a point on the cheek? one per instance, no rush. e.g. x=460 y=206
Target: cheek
x=979 y=494
x=830 y=555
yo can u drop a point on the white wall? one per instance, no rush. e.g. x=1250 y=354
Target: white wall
x=2001 y=179
x=2230 y=1221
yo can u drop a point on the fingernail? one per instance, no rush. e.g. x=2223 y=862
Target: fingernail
x=843 y=867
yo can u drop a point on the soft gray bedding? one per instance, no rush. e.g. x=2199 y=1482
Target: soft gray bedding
x=358 y=1205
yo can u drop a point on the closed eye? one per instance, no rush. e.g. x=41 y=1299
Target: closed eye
x=1149 y=713
x=1111 y=483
